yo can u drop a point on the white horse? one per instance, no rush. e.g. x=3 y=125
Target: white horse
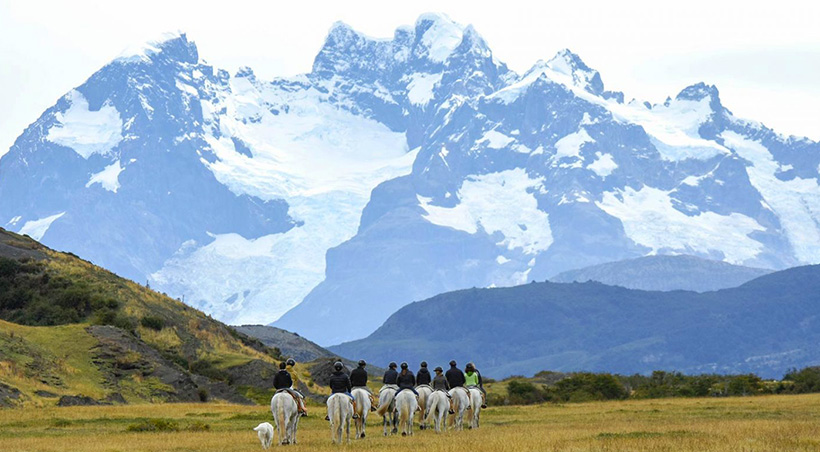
x=438 y=405
x=406 y=405
x=285 y=416
x=424 y=392
x=461 y=402
x=362 y=399
x=387 y=408
x=475 y=407
x=340 y=411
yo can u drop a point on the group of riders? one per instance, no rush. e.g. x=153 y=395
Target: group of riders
x=401 y=380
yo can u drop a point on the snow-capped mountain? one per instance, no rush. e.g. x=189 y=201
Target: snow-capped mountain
x=395 y=170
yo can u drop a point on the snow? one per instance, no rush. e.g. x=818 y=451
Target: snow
x=144 y=50
x=14 y=221
x=108 y=178
x=495 y=139
x=420 y=88
x=650 y=219
x=86 y=132
x=36 y=229
x=441 y=38
x=603 y=165
x=796 y=202
x=497 y=203
x=322 y=160
x=570 y=145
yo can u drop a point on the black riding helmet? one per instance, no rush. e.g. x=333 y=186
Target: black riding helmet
x=453 y=363
x=291 y=362
x=438 y=369
x=392 y=365
x=283 y=365
x=404 y=365
x=424 y=364
x=362 y=363
x=338 y=365
x=470 y=366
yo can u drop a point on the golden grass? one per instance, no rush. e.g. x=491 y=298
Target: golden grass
x=766 y=423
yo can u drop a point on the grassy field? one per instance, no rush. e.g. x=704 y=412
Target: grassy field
x=766 y=423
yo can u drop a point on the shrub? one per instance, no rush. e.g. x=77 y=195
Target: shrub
x=152 y=322
x=805 y=380
x=524 y=393
x=154 y=425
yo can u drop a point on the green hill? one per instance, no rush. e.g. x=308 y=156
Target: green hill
x=72 y=332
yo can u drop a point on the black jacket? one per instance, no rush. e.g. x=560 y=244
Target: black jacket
x=455 y=377
x=423 y=377
x=339 y=382
x=358 y=377
x=282 y=380
x=407 y=380
x=390 y=377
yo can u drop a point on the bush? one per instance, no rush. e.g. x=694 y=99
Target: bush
x=207 y=369
x=203 y=395
x=524 y=393
x=152 y=322
x=805 y=380
x=154 y=425
x=584 y=386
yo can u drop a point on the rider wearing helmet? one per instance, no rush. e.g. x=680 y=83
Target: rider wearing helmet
x=340 y=384
x=472 y=379
x=454 y=375
x=390 y=376
x=440 y=384
x=358 y=379
x=423 y=375
x=406 y=379
x=300 y=399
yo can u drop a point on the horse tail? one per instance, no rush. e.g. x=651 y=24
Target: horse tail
x=432 y=405
x=283 y=426
x=384 y=406
x=404 y=413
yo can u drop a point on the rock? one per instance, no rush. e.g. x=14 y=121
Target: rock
x=77 y=400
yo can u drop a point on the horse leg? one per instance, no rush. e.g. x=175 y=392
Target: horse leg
x=347 y=429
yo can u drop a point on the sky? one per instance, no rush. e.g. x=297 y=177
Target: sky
x=764 y=57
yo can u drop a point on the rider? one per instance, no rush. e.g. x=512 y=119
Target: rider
x=440 y=384
x=423 y=375
x=390 y=375
x=358 y=379
x=340 y=384
x=454 y=375
x=472 y=379
x=406 y=379
x=300 y=399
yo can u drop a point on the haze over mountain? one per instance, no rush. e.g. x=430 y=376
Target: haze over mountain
x=665 y=273
x=395 y=170
x=765 y=326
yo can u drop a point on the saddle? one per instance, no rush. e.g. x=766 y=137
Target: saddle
x=393 y=387
x=424 y=386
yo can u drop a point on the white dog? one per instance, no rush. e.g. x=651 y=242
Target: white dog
x=265 y=433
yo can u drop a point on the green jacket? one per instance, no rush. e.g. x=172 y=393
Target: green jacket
x=471 y=379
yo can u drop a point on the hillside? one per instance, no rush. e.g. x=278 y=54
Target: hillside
x=291 y=345
x=765 y=326
x=73 y=333
x=665 y=273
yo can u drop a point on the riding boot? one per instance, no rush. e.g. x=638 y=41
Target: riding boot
x=300 y=404
x=451 y=410
x=372 y=402
x=483 y=400
x=355 y=415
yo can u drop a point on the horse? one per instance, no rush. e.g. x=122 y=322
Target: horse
x=387 y=407
x=340 y=411
x=438 y=405
x=285 y=416
x=362 y=399
x=424 y=392
x=475 y=407
x=461 y=401
x=406 y=405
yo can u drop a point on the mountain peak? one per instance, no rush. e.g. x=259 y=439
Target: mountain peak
x=570 y=64
x=438 y=35
x=174 y=45
x=699 y=91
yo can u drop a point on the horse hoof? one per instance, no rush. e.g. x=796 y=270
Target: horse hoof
x=403 y=433
x=362 y=435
